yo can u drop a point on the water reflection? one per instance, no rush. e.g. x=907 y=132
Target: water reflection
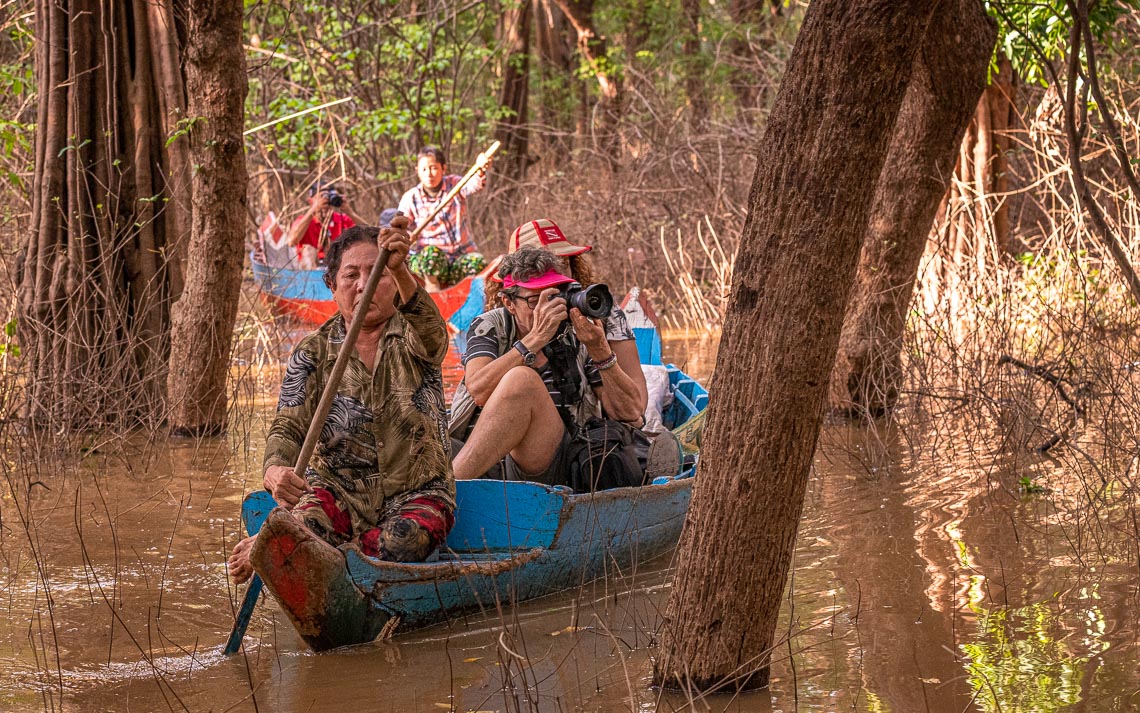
x=923 y=581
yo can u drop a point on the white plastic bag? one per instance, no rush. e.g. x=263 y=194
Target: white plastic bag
x=660 y=396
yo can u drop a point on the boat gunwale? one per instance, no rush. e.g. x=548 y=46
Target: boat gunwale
x=521 y=555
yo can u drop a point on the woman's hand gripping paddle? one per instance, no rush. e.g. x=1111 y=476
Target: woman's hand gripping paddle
x=346 y=350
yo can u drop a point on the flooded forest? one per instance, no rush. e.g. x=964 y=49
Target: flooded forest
x=895 y=240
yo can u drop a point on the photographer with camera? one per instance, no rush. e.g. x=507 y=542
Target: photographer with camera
x=544 y=386
x=328 y=216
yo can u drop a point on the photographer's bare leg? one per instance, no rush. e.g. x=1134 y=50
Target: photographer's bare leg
x=519 y=419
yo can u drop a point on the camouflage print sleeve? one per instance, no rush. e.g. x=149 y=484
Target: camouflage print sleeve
x=300 y=392
x=428 y=327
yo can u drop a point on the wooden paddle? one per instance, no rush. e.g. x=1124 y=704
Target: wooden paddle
x=346 y=350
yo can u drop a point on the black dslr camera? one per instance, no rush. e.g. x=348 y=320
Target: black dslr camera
x=336 y=200
x=593 y=301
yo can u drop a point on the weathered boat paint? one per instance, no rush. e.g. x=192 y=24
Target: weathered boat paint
x=512 y=541
x=303 y=294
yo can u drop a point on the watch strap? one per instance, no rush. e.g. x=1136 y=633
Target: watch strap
x=527 y=355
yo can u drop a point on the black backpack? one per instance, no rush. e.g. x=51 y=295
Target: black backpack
x=606 y=454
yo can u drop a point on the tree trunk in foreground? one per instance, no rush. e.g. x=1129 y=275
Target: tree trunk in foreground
x=828 y=134
x=947 y=81
x=94 y=288
x=204 y=317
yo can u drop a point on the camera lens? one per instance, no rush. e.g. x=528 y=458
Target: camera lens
x=594 y=301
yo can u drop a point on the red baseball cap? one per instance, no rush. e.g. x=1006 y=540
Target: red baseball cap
x=544 y=233
x=550 y=278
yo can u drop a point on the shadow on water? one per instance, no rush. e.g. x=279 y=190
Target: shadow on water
x=924 y=580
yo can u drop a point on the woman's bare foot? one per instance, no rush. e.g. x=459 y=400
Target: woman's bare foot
x=238 y=563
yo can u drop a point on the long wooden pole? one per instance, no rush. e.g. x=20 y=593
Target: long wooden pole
x=318 y=423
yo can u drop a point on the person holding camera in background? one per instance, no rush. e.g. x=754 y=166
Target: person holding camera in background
x=542 y=378
x=328 y=216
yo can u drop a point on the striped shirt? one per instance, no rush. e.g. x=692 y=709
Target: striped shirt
x=485 y=343
x=449 y=230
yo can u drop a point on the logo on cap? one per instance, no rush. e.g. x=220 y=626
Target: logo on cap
x=545 y=233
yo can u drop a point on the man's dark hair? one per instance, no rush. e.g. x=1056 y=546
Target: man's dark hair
x=321 y=185
x=335 y=252
x=433 y=152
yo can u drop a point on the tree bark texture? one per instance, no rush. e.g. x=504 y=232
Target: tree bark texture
x=94 y=290
x=513 y=129
x=204 y=317
x=946 y=83
x=829 y=132
x=983 y=172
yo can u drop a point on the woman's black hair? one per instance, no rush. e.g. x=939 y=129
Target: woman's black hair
x=336 y=250
x=433 y=152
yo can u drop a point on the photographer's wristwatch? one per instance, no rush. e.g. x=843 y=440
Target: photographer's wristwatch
x=527 y=355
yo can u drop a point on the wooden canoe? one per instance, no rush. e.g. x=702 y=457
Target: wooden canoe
x=512 y=541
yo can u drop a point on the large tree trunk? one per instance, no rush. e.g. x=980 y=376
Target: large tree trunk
x=513 y=129
x=940 y=100
x=828 y=134
x=204 y=316
x=94 y=290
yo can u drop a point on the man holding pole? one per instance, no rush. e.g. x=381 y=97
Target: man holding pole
x=380 y=475
x=445 y=252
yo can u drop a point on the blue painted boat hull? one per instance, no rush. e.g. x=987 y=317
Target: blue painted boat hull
x=512 y=541
x=303 y=294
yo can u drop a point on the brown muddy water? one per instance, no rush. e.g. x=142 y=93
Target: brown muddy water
x=924 y=580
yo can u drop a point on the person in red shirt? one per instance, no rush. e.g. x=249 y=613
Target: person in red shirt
x=328 y=216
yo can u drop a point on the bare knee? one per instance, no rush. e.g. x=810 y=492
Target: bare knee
x=521 y=382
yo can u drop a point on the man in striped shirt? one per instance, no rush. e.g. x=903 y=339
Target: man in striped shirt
x=445 y=252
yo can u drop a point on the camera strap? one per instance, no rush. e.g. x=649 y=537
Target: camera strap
x=562 y=357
